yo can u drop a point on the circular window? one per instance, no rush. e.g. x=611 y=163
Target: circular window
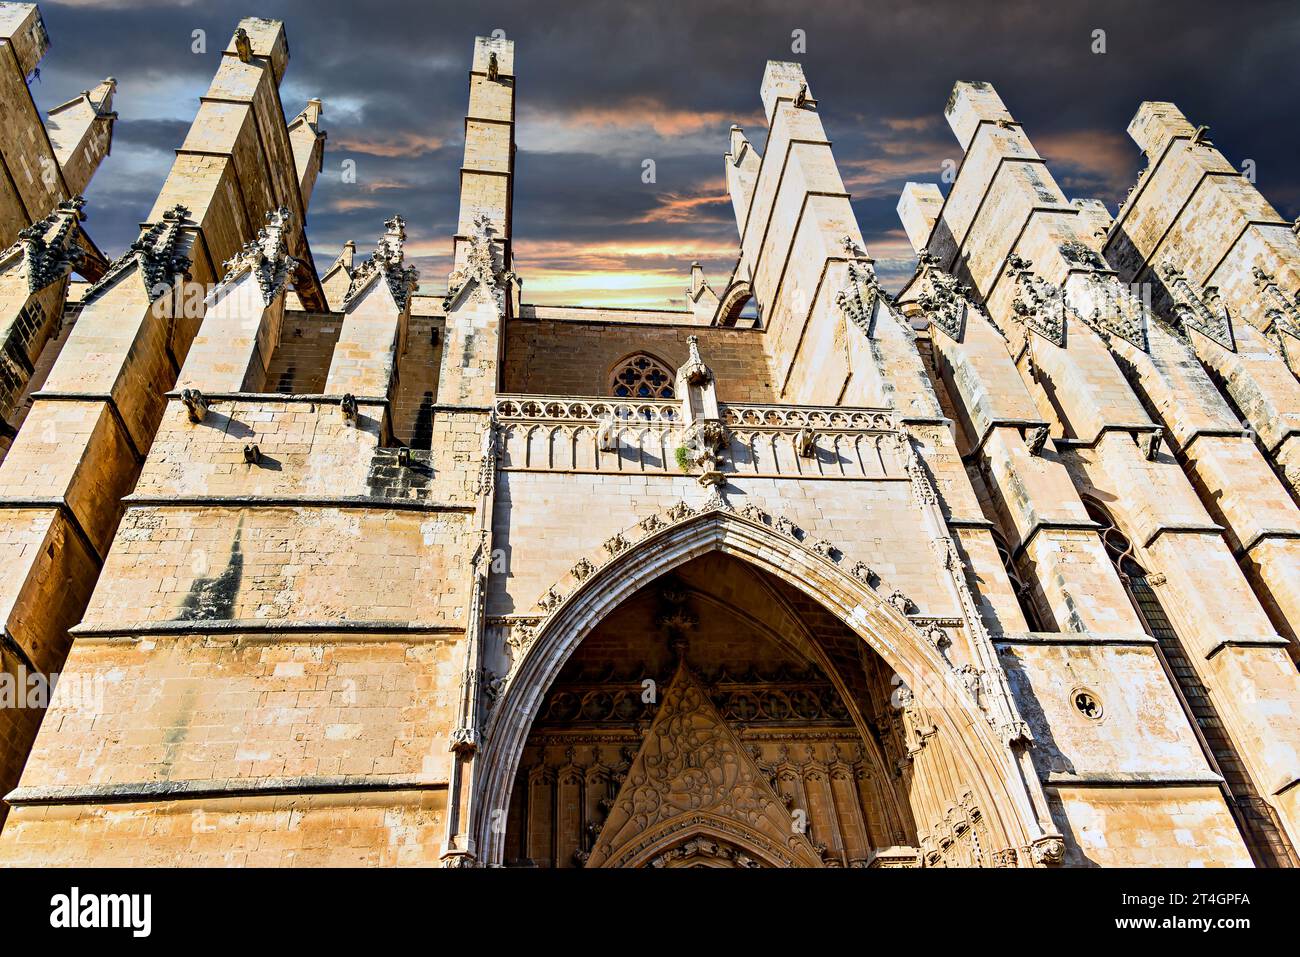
x=1086 y=703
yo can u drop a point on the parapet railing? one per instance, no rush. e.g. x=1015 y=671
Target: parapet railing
x=764 y=417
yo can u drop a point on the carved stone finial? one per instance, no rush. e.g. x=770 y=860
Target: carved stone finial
x=1039 y=304
x=156 y=254
x=858 y=299
x=480 y=271
x=49 y=246
x=265 y=257
x=946 y=301
x=1117 y=311
x=1194 y=312
x=387 y=260
x=695 y=371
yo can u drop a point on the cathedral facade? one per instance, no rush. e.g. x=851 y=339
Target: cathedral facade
x=999 y=571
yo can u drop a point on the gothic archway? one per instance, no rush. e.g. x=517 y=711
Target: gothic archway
x=736 y=301
x=996 y=796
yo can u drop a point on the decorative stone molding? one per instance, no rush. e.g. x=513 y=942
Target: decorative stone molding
x=935 y=635
x=493 y=685
x=388 y=260
x=705 y=440
x=678 y=785
x=1284 y=313
x=48 y=247
x=922 y=487
x=1048 y=851
x=961 y=837
x=705 y=847
x=265 y=257
x=900 y=601
x=1192 y=310
x=679 y=511
x=1039 y=304
x=817 y=418
x=464 y=741
x=1117 y=311
x=946 y=303
x=480 y=270
x=522 y=631
x=858 y=299
x=543 y=408
x=563 y=434
x=717 y=501
x=552 y=599
x=651 y=524
x=156 y=254
x=489 y=458
x=617 y=545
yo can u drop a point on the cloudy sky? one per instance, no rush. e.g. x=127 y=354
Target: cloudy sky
x=604 y=85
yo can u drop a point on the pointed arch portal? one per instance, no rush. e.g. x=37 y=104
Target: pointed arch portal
x=985 y=796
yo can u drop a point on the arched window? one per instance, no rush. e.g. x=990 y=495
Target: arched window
x=641 y=376
x=1118 y=547
x=1024 y=593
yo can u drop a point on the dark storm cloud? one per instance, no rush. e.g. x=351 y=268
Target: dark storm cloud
x=161 y=135
x=603 y=86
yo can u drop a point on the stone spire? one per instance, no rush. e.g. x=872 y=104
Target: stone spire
x=81 y=132
x=308 y=142
x=742 y=163
x=487 y=174
x=918 y=208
